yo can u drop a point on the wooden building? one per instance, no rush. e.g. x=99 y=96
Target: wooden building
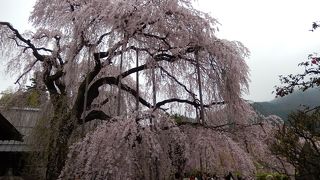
x=15 y=129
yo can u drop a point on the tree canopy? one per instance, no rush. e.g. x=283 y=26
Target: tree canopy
x=77 y=39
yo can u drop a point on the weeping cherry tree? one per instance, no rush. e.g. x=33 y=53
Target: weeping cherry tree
x=84 y=48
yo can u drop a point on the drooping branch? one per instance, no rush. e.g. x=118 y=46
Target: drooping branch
x=178 y=82
x=26 y=72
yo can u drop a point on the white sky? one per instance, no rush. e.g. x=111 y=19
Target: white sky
x=275 y=31
x=17 y=13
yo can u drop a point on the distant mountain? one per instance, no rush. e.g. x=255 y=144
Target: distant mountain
x=283 y=106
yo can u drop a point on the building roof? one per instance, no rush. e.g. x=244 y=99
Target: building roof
x=8 y=131
x=23 y=120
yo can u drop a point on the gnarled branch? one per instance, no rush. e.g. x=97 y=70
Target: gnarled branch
x=26 y=41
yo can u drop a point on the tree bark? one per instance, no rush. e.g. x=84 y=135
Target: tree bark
x=201 y=120
x=137 y=81
x=154 y=91
x=61 y=127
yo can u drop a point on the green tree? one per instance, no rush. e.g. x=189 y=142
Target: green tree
x=22 y=98
x=32 y=96
x=299 y=142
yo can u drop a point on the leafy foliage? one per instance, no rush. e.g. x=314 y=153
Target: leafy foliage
x=33 y=96
x=29 y=98
x=298 y=142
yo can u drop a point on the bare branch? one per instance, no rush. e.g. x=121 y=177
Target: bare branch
x=193 y=103
x=26 y=41
x=44 y=49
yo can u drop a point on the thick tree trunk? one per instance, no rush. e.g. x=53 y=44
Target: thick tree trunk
x=61 y=127
x=57 y=155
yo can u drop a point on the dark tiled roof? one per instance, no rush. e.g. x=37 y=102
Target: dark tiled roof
x=8 y=131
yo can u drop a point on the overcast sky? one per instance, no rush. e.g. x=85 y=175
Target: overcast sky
x=275 y=31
